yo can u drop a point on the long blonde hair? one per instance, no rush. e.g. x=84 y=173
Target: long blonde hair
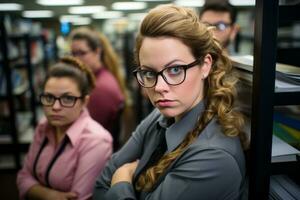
x=219 y=91
x=109 y=57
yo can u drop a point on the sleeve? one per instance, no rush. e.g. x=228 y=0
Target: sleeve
x=210 y=173
x=25 y=178
x=92 y=158
x=130 y=152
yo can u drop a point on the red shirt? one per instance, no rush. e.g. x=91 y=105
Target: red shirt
x=105 y=99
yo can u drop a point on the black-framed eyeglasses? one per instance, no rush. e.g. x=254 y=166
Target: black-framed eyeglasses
x=221 y=26
x=79 y=53
x=67 y=101
x=173 y=75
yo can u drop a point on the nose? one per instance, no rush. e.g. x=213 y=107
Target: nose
x=56 y=104
x=161 y=84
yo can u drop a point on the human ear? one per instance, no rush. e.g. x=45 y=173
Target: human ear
x=234 y=30
x=207 y=63
x=85 y=100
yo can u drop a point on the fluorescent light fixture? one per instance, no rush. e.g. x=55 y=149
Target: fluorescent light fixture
x=60 y=2
x=37 y=13
x=136 y=16
x=75 y=19
x=82 y=21
x=10 y=6
x=190 y=3
x=108 y=15
x=242 y=3
x=68 y=18
x=86 y=9
x=152 y=0
x=129 y=6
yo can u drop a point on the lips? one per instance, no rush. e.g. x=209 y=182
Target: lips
x=164 y=103
x=56 y=117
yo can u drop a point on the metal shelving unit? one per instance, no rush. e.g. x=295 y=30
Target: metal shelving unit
x=268 y=13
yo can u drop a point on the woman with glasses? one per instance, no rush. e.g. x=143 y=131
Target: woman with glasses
x=110 y=95
x=69 y=148
x=191 y=145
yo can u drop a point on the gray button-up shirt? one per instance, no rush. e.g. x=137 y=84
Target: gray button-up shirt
x=211 y=168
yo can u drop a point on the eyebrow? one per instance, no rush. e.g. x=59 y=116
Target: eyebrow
x=165 y=66
x=63 y=94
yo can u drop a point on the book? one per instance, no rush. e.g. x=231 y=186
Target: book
x=282 y=151
x=283 y=188
x=287 y=76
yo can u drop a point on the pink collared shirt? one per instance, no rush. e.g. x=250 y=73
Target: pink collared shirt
x=88 y=148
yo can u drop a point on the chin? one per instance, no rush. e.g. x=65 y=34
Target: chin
x=169 y=112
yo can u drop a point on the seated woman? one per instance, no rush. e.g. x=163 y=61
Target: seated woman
x=191 y=146
x=69 y=148
x=110 y=95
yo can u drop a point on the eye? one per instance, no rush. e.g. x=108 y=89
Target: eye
x=48 y=97
x=175 y=70
x=68 y=99
x=148 y=74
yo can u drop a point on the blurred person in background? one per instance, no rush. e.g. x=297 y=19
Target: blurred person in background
x=110 y=98
x=69 y=148
x=221 y=15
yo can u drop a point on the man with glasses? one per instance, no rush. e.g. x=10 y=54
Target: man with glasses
x=221 y=15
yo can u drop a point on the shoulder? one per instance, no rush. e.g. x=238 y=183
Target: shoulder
x=212 y=143
x=150 y=120
x=106 y=77
x=93 y=133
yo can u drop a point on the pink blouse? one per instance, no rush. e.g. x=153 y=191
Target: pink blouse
x=88 y=147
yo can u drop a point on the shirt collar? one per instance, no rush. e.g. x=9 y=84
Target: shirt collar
x=75 y=130
x=176 y=132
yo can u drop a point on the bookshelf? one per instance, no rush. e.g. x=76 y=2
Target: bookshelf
x=268 y=13
x=21 y=115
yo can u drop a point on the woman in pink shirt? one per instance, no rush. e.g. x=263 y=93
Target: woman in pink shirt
x=69 y=148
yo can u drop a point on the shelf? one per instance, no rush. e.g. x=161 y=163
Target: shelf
x=287 y=98
x=291 y=168
x=289 y=13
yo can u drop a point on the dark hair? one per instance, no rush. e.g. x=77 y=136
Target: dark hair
x=221 y=6
x=72 y=68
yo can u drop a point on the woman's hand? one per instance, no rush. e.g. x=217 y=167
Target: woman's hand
x=43 y=193
x=56 y=195
x=124 y=173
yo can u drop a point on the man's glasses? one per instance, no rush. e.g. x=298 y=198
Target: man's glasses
x=173 y=75
x=79 y=53
x=67 y=101
x=220 y=26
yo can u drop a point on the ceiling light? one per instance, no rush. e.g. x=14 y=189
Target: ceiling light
x=10 y=6
x=108 y=15
x=129 y=5
x=242 y=3
x=189 y=3
x=81 y=21
x=68 y=18
x=152 y=0
x=37 y=13
x=86 y=9
x=75 y=19
x=137 y=16
x=59 y=2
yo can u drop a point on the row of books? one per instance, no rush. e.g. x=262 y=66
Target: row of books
x=286 y=124
x=287 y=76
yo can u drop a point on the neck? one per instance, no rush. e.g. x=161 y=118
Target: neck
x=59 y=134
